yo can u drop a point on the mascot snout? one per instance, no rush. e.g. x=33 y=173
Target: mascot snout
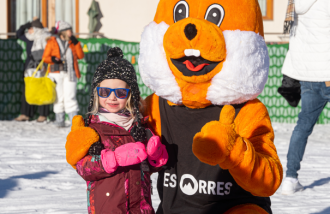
x=195 y=47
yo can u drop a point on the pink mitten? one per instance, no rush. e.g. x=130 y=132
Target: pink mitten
x=108 y=160
x=157 y=154
x=130 y=154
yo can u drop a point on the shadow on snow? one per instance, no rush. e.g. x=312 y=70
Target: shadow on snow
x=326 y=211
x=10 y=183
x=320 y=182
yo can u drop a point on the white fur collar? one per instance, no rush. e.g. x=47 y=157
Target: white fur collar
x=242 y=78
x=153 y=66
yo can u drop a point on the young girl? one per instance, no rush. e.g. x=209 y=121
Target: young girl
x=116 y=169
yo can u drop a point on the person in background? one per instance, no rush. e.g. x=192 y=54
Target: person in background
x=35 y=39
x=308 y=61
x=62 y=52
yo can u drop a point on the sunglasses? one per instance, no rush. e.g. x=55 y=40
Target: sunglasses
x=121 y=93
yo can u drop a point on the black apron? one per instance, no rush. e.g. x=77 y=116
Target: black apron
x=187 y=185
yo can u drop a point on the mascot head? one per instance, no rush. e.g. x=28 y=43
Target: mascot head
x=202 y=52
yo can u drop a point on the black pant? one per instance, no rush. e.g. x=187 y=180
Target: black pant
x=28 y=109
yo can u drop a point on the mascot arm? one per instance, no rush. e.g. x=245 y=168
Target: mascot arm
x=79 y=140
x=152 y=110
x=245 y=148
x=260 y=171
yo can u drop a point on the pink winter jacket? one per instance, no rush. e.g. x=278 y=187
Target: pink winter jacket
x=127 y=189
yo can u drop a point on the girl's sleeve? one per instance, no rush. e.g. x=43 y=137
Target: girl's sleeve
x=90 y=168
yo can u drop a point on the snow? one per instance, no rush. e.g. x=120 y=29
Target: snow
x=35 y=177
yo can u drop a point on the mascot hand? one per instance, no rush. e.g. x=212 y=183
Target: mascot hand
x=79 y=140
x=218 y=142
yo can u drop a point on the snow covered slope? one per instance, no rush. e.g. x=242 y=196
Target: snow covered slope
x=35 y=178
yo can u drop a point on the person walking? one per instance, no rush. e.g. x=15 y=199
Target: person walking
x=35 y=39
x=62 y=52
x=308 y=61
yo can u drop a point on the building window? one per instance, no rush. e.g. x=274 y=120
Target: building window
x=65 y=11
x=49 y=11
x=266 y=7
x=22 y=11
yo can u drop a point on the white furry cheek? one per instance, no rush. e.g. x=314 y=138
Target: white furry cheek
x=245 y=71
x=154 y=69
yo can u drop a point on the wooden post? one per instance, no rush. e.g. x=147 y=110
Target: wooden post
x=51 y=14
x=77 y=17
x=44 y=13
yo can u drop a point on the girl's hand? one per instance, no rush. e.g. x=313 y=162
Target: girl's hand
x=157 y=154
x=130 y=154
x=109 y=160
x=125 y=155
x=56 y=60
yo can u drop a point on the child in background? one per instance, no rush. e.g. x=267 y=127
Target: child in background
x=116 y=170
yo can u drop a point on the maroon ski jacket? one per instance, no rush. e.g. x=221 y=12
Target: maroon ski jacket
x=127 y=190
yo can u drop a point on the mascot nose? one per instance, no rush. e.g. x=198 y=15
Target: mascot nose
x=190 y=31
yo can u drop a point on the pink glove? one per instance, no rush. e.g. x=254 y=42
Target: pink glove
x=109 y=161
x=157 y=154
x=125 y=155
x=130 y=154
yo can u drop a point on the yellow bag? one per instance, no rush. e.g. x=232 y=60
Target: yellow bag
x=41 y=90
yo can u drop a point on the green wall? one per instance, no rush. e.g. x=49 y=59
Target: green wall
x=12 y=55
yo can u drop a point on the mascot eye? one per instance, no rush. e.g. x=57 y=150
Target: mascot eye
x=181 y=11
x=215 y=14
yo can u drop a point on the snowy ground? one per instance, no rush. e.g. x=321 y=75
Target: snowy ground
x=35 y=178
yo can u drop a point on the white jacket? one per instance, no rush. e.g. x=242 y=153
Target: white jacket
x=308 y=58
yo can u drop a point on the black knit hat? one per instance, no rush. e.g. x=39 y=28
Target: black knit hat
x=36 y=23
x=116 y=67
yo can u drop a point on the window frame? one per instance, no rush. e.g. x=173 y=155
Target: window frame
x=45 y=10
x=8 y=16
x=44 y=13
x=269 y=10
x=77 y=18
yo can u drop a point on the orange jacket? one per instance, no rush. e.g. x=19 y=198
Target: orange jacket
x=52 y=49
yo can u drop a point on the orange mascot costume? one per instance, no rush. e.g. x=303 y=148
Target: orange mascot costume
x=207 y=61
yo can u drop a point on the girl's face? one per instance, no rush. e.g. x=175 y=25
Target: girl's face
x=112 y=103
